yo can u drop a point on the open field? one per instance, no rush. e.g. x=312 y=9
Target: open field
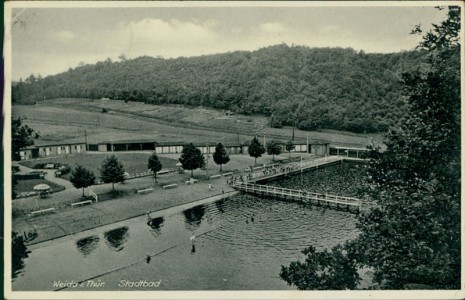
x=132 y=162
x=67 y=119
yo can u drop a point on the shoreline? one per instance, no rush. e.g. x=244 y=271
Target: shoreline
x=72 y=221
x=185 y=205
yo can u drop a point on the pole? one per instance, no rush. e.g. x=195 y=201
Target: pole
x=301 y=170
x=307 y=144
x=85 y=137
x=293 y=125
x=208 y=152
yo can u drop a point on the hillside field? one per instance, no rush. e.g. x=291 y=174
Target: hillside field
x=66 y=120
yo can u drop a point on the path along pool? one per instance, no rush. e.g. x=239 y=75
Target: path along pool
x=240 y=243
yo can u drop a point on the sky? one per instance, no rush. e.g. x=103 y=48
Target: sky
x=48 y=41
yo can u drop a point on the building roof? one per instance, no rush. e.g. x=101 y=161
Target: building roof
x=144 y=141
x=49 y=144
x=350 y=148
x=211 y=144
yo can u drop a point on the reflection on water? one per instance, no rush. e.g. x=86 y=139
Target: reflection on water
x=116 y=238
x=88 y=244
x=231 y=251
x=194 y=217
x=221 y=205
x=156 y=224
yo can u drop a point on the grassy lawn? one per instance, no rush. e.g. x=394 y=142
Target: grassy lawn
x=28 y=185
x=135 y=120
x=132 y=162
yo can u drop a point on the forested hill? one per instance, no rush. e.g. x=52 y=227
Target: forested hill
x=329 y=88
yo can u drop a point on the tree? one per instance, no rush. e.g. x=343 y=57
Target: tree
x=82 y=178
x=327 y=270
x=21 y=136
x=273 y=148
x=122 y=57
x=154 y=165
x=112 y=171
x=18 y=253
x=411 y=234
x=417 y=179
x=220 y=156
x=289 y=147
x=256 y=149
x=191 y=158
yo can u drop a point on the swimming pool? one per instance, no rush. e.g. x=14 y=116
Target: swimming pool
x=240 y=244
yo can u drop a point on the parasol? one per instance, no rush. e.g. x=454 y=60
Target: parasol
x=41 y=187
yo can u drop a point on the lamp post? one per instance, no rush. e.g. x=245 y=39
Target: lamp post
x=301 y=170
x=208 y=155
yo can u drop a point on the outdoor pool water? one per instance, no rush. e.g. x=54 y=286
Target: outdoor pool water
x=232 y=251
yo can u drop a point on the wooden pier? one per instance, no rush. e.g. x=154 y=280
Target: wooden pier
x=330 y=201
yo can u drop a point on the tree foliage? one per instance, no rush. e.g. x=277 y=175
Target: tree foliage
x=411 y=235
x=21 y=136
x=289 y=147
x=220 y=156
x=331 y=88
x=154 y=165
x=273 y=148
x=112 y=171
x=82 y=178
x=191 y=158
x=256 y=149
x=18 y=253
x=322 y=270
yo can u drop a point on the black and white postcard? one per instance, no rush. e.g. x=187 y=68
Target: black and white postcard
x=205 y=150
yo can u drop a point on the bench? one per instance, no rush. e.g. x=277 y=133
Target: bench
x=38 y=212
x=192 y=181
x=170 y=186
x=81 y=203
x=258 y=168
x=227 y=174
x=215 y=176
x=145 y=191
x=163 y=172
x=247 y=170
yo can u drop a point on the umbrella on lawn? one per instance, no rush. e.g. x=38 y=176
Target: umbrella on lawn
x=42 y=188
